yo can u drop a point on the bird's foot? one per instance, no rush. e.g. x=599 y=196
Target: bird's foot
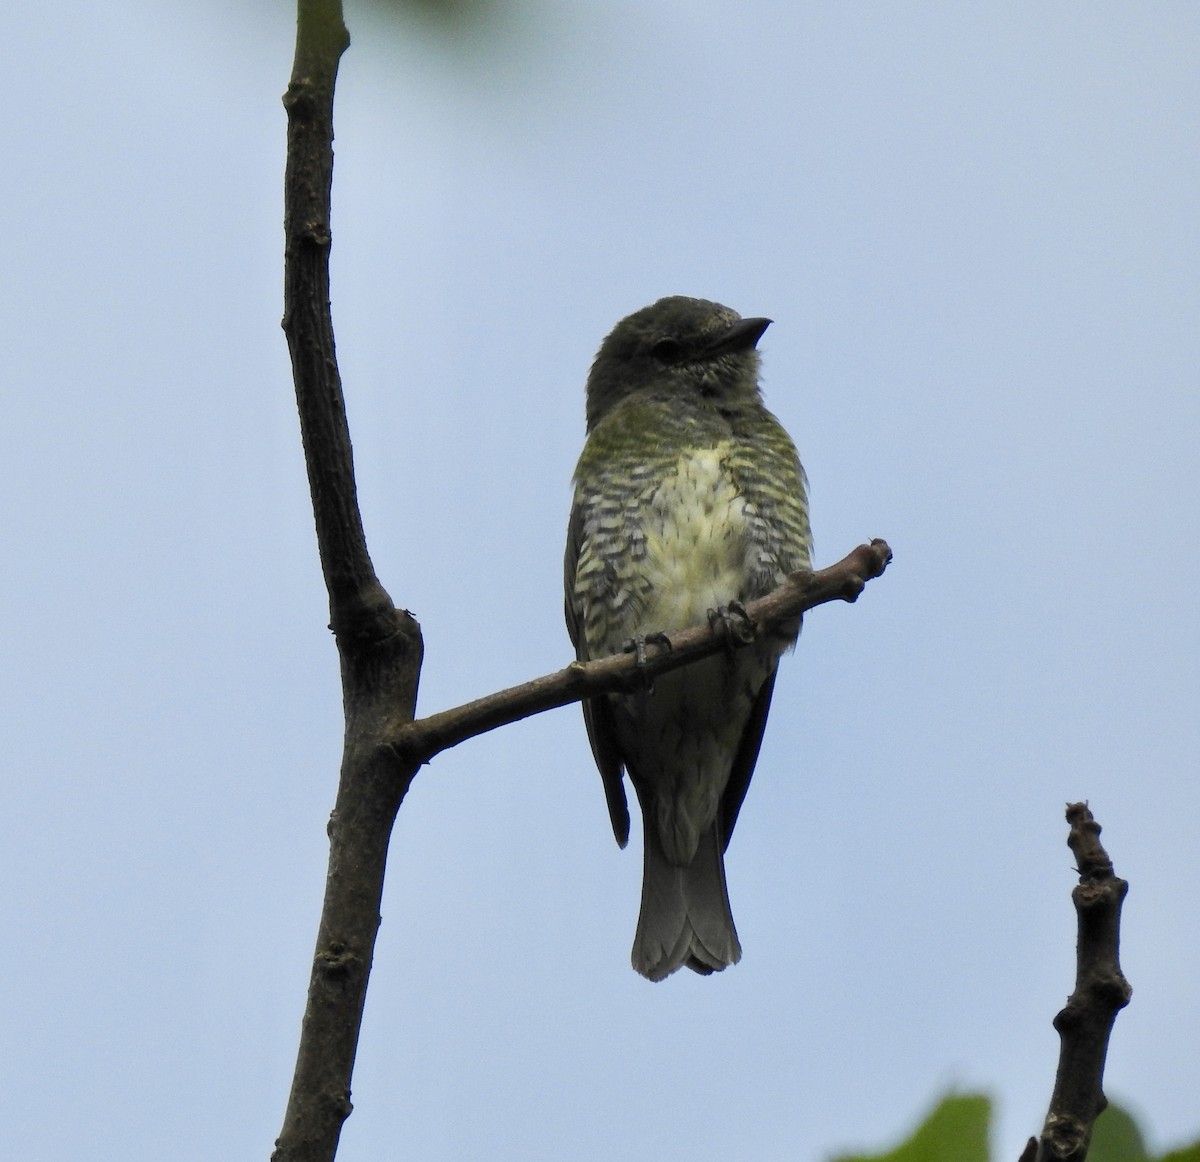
x=637 y=646
x=733 y=623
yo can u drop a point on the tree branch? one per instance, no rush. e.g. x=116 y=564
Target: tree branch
x=379 y=646
x=421 y=740
x=1101 y=992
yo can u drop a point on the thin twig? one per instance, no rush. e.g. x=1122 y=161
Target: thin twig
x=420 y=740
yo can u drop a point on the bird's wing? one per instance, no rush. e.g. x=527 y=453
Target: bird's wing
x=597 y=716
x=747 y=756
x=597 y=712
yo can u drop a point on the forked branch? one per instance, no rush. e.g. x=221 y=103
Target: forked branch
x=379 y=646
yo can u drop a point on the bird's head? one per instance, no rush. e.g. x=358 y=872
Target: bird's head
x=691 y=347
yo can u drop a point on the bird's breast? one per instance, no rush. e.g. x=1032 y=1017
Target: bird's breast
x=695 y=528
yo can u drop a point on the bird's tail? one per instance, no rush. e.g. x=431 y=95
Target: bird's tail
x=685 y=916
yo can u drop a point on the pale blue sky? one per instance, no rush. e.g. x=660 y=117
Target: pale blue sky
x=975 y=227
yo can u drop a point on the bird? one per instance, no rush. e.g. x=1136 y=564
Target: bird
x=689 y=499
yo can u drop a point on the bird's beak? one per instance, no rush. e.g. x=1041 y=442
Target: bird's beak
x=743 y=335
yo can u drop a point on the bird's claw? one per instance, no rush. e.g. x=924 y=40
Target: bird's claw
x=637 y=647
x=733 y=623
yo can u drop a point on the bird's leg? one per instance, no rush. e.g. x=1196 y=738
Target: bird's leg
x=637 y=645
x=733 y=623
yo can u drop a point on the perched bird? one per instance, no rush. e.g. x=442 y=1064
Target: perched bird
x=689 y=497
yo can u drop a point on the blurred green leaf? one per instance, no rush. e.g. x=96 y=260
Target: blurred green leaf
x=956 y=1131
x=1186 y=1154
x=1116 y=1138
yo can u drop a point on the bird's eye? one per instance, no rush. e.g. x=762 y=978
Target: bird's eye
x=667 y=351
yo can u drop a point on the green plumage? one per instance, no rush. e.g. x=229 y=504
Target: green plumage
x=689 y=495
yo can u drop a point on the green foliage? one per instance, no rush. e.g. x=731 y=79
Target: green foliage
x=957 y=1131
x=1116 y=1138
x=1187 y=1154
